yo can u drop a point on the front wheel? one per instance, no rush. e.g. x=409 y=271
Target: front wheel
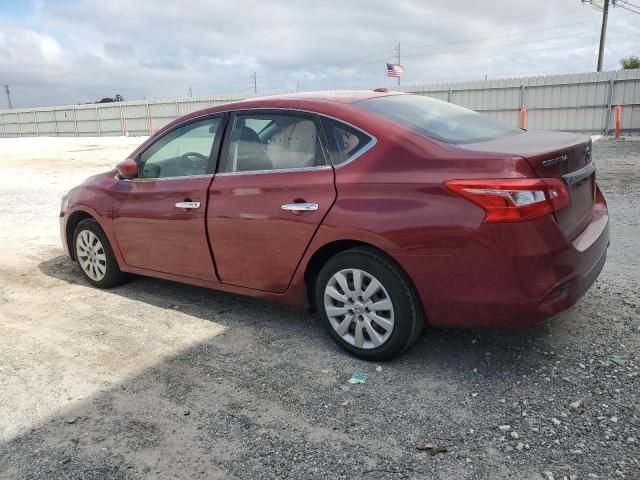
x=95 y=256
x=368 y=305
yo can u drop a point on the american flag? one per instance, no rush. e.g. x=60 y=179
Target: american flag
x=394 y=70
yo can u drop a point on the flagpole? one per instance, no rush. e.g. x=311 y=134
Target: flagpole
x=399 y=61
x=397 y=49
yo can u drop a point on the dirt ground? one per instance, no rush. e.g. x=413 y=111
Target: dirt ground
x=160 y=380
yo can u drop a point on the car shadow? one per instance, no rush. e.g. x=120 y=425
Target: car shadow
x=452 y=349
x=279 y=406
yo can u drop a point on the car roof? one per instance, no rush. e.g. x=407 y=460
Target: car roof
x=343 y=97
x=348 y=96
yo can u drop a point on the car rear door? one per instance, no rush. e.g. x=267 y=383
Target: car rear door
x=159 y=217
x=273 y=188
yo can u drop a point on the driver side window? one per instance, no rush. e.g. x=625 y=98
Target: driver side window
x=183 y=152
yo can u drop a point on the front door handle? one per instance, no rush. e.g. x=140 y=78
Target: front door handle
x=188 y=205
x=300 y=207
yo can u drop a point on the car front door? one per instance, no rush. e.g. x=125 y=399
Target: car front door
x=272 y=190
x=159 y=217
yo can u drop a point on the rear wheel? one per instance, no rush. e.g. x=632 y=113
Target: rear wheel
x=95 y=256
x=368 y=305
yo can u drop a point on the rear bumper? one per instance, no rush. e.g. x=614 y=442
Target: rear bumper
x=512 y=274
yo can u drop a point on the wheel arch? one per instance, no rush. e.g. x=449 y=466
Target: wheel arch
x=328 y=250
x=74 y=219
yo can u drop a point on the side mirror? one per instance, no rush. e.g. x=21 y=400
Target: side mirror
x=127 y=168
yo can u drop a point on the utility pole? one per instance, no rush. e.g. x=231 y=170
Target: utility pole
x=190 y=91
x=254 y=82
x=397 y=50
x=603 y=32
x=6 y=89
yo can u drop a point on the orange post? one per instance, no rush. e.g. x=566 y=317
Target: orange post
x=618 y=119
x=523 y=117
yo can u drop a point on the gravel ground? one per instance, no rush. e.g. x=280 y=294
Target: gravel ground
x=160 y=380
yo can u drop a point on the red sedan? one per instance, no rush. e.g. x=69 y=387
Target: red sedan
x=383 y=211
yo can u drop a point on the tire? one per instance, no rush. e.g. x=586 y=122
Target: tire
x=95 y=257
x=374 y=332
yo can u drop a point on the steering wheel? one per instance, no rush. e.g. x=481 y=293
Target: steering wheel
x=193 y=163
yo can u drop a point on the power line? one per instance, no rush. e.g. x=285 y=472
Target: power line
x=380 y=58
x=362 y=60
x=503 y=36
x=630 y=7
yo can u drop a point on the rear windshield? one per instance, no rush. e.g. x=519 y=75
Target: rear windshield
x=436 y=119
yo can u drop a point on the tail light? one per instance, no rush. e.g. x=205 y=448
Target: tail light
x=513 y=200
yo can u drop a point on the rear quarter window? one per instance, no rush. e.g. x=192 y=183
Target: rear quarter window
x=436 y=119
x=344 y=142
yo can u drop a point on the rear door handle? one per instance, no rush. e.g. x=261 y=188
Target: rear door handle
x=188 y=205
x=300 y=207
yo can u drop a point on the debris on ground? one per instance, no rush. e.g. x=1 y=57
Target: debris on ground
x=618 y=360
x=575 y=405
x=358 y=377
x=432 y=448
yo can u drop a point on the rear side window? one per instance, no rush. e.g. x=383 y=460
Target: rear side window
x=436 y=119
x=344 y=142
x=266 y=141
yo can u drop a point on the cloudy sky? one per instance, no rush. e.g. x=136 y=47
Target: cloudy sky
x=57 y=52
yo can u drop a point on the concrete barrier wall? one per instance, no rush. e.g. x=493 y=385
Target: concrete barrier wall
x=582 y=102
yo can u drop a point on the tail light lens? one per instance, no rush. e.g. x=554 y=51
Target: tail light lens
x=513 y=200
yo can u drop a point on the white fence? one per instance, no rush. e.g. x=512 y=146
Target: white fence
x=576 y=102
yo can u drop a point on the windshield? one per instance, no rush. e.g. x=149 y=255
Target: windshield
x=436 y=119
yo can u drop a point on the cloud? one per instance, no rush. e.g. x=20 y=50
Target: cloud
x=82 y=50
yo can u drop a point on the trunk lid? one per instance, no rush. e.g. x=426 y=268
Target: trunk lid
x=555 y=155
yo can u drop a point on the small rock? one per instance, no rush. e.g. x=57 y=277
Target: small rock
x=614 y=419
x=504 y=428
x=548 y=474
x=379 y=368
x=72 y=420
x=556 y=421
x=631 y=440
x=474 y=394
x=582 y=365
x=432 y=448
x=186 y=413
x=520 y=446
x=515 y=435
x=575 y=405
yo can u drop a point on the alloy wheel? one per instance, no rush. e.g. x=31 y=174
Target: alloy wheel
x=91 y=255
x=359 y=308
